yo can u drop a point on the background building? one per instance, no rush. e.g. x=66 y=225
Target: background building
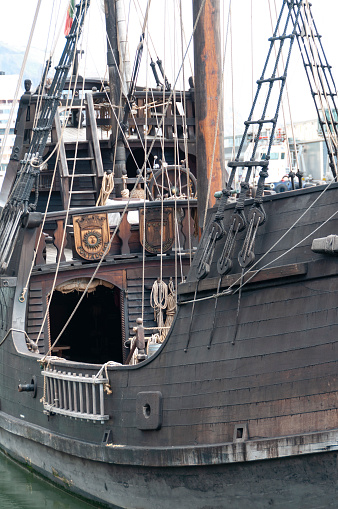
x=305 y=139
x=8 y=85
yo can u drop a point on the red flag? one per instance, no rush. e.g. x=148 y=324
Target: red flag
x=70 y=16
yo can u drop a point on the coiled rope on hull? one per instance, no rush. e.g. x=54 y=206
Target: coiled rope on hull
x=163 y=300
x=159 y=300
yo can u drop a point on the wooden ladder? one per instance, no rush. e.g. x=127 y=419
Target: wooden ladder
x=88 y=171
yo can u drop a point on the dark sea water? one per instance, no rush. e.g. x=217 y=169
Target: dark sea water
x=21 y=489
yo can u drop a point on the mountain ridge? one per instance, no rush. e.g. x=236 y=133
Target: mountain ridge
x=11 y=62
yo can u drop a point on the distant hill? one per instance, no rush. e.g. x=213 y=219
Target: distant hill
x=11 y=61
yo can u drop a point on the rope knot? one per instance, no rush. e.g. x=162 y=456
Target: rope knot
x=107 y=389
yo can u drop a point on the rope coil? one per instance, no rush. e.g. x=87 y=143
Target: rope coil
x=107 y=188
x=163 y=299
x=159 y=300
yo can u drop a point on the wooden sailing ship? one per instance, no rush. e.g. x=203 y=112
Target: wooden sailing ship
x=238 y=405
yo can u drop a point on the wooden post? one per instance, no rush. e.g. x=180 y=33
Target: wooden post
x=208 y=100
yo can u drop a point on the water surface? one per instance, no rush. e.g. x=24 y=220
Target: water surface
x=21 y=489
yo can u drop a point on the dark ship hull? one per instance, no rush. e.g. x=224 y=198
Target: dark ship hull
x=307 y=481
x=251 y=419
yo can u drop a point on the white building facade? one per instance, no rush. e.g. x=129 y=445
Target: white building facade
x=8 y=84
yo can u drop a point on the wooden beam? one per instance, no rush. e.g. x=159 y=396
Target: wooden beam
x=63 y=159
x=94 y=133
x=254 y=276
x=208 y=102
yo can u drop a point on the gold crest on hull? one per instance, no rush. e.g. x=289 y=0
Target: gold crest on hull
x=153 y=223
x=91 y=235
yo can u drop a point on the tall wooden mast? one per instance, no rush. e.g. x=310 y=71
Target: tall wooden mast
x=208 y=100
x=113 y=61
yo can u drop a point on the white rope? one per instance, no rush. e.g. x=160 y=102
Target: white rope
x=176 y=144
x=184 y=39
x=107 y=188
x=43 y=84
x=164 y=164
x=311 y=40
x=126 y=206
x=104 y=368
x=57 y=149
x=125 y=139
x=287 y=98
x=144 y=202
x=159 y=300
x=170 y=310
x=232 y=86
x=30 y=342
x=70 y=194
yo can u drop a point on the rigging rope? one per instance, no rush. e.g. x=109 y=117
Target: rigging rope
x=176 y=151
x=330 y=135
x=232 y=81
x=144 y=202
x=185 y=137
x=18 y=205
x=229 y=291
x=289 y=108
x=48 y=61
x=127 y=204
x=170 y=310
x=57 y=148
x=46 y=315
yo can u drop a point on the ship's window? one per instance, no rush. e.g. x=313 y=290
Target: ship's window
x=274 y=156
x=94 y=334
x=283 y=155
x=239 y=433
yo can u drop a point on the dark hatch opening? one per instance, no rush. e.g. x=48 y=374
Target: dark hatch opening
x=136 y=161
x=94 y=333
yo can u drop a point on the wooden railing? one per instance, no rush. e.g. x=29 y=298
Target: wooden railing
x=161 y=112
x=173 y=113
x=74 y=395
x=127 y=237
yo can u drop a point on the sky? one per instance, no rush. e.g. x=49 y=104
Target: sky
x=247 y=17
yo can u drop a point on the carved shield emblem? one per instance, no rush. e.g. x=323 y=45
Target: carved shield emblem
x=152 y=226
x=91 y=235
